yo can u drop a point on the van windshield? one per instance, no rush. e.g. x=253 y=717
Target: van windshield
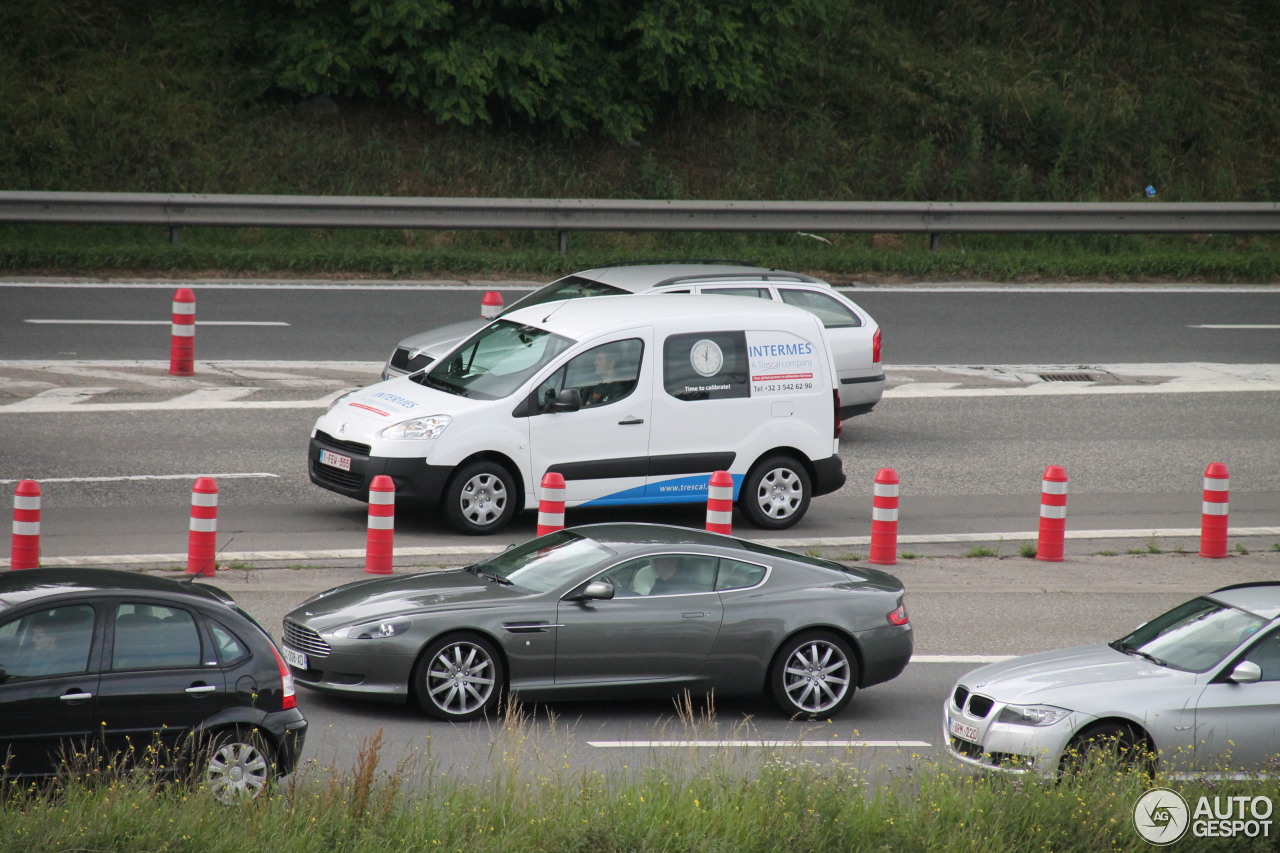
x=495 y=361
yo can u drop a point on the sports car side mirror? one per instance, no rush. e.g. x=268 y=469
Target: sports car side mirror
x=1246 y=672
x=596 y=591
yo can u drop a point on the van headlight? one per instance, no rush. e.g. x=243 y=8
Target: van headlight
x=428 y=427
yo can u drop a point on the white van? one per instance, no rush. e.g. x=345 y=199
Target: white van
x=633 y=399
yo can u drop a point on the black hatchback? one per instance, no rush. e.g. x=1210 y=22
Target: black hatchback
x=115 y=666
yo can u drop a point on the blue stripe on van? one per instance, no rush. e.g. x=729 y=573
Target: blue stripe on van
x=676 y=490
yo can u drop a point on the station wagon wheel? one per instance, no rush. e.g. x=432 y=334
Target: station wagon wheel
x=237 y=765
x=480 y=498
x=813 y=674
x=776 y=493
x=459 y=678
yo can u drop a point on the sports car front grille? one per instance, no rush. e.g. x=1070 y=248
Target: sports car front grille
x=304 y=639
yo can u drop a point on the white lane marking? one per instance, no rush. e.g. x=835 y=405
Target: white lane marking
x=235 y=476
x=200 y=400
x=760 y=744
x=1021 y=536
x=154 y=322
x=1226 y=326
x=206 y=397
x=55 y=400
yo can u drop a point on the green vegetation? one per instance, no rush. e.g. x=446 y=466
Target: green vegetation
x=1028 y=549
x=969 y=100
x=774 y=798
x=981 y=551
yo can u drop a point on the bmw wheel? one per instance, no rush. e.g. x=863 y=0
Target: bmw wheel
x=1109 y=745
x=776 y=493
x=480 y=498
x=237 y=765
x=459 y=678
x=813 y=675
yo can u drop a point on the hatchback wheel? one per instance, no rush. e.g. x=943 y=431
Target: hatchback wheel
x=459 y=678
x=776 y=493
x=813 y=675
x=480 y=498
x=237 y=765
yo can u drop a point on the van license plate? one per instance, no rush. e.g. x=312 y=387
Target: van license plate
x=964 y=732
x=295 y=659
x=335 y=460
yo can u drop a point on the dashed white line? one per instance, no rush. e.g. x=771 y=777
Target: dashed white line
x=236 y=476
x=154 y=322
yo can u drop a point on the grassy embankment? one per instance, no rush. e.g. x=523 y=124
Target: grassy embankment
x=957 y=100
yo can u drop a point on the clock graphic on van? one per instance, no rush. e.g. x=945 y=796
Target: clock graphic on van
x=706 y=357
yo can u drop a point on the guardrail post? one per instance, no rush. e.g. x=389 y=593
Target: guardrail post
x=563 y=242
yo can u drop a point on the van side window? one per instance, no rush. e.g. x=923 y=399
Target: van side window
x=602 y=375
x=706 y=366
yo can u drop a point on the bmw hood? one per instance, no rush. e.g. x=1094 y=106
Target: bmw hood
x=386 y=597
x=1067 y=674
x=441 y=339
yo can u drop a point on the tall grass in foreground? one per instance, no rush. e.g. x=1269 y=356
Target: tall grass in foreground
x=532 y=799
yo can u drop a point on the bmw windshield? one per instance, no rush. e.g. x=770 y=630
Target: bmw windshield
x=1194 y=636
x=494 y=362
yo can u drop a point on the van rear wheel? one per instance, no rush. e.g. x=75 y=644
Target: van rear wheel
x=776 y=493
x=480 y=498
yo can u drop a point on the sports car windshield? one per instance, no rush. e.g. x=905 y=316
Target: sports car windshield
x=1194 y=636
x=494 y=362
x=547 y=562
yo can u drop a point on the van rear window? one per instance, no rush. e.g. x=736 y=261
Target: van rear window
x=706 y=366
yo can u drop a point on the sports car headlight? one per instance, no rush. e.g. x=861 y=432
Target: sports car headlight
x=1031 y=715
x=373 y=630
x=429 y=427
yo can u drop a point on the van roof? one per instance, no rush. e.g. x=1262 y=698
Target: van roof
x=577 y=318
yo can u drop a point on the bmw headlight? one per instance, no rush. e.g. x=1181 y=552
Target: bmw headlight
x=373 y=630
x=1031 y=715
x=428 y=427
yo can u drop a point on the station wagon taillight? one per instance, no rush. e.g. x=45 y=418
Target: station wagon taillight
x=289 y=696
x=875 y=347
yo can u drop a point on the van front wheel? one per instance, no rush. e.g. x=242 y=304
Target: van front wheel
x=776 y=493
x=480 y=498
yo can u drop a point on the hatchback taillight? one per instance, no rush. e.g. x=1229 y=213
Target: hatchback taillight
x=898 y=616
x=289 y=696
x=835 y=398
x=875 y=347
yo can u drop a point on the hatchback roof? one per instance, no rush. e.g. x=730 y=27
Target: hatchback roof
x=21 y=587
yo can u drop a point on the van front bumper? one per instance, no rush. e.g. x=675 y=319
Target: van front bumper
x=414 y=479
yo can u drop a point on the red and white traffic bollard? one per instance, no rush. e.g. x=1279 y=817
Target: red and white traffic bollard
x=720 y=503
x=1213 y=511
x=182 y=341
x=1053 y=515
x=202 y=536
x=379 y=547
x=490 y=304
x=25 y=553
x=551 y=503
x=884 y=519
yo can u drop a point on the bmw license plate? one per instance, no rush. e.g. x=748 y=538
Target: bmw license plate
x=295 y=659
x=335 y=460
x=963 y=730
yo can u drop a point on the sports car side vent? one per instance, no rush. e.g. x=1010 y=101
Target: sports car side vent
x=1069 y=377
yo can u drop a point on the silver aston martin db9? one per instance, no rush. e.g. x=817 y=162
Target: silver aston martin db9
x=608 y=611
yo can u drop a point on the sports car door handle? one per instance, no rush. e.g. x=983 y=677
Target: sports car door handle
x=632 y=421
x=75 y=697
x=695 y=614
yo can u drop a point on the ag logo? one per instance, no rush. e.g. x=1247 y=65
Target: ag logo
x=1161 y=816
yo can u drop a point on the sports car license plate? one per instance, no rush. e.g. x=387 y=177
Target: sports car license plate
x=295 y=659
x=963 y=731
x=336 y=460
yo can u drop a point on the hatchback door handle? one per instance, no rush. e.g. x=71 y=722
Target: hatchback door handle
x=200 y=689
x=75 y=697
x=630 y=421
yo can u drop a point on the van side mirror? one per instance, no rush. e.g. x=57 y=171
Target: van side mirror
x=1246 y=672
x=568 y=400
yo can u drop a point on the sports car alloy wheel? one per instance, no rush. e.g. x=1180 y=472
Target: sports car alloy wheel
x=814 y=674
x=459 y=679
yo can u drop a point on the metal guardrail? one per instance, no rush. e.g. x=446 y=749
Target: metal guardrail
x=564 y=215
